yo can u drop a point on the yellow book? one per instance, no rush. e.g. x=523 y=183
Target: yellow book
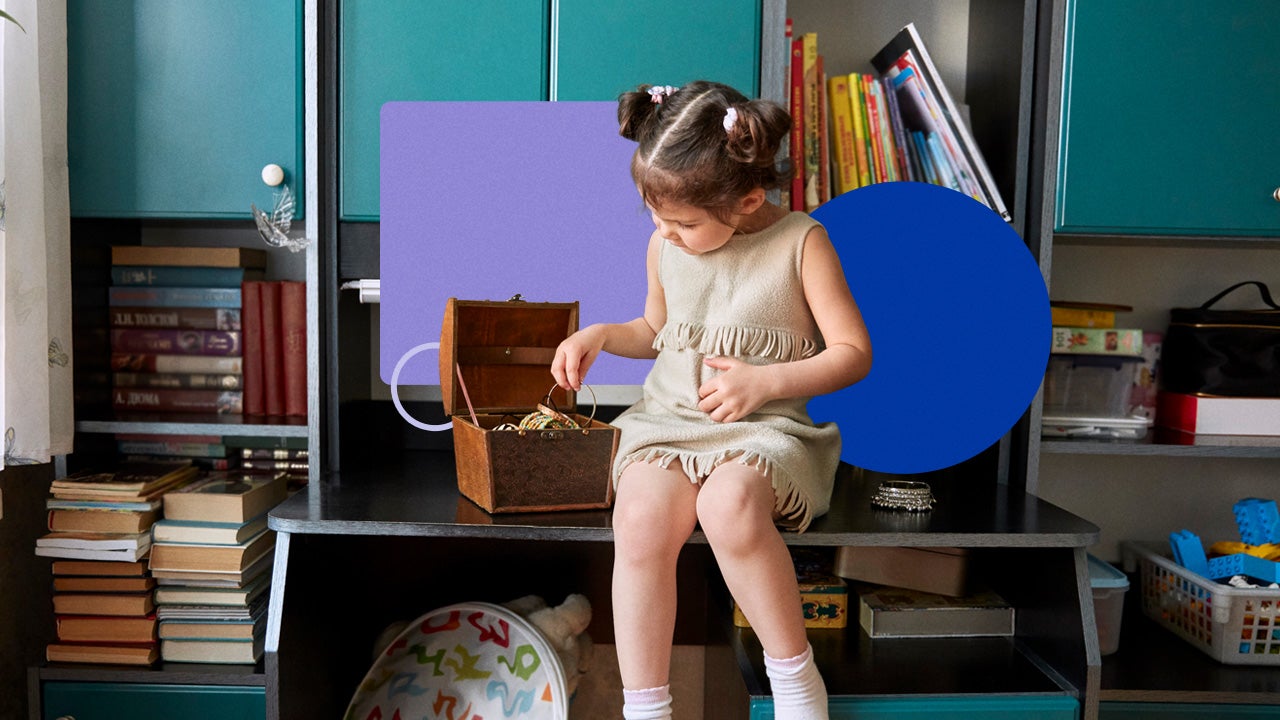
x=1079 y=317
x=858 y=109
x=811 y=153
x=842 y=139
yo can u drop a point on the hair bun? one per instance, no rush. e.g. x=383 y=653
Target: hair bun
x=756 y=135
x=637 y=113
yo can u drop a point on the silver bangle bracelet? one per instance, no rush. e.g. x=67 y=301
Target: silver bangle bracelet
x=908 y=495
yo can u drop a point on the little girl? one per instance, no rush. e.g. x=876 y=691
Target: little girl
x=748 y=316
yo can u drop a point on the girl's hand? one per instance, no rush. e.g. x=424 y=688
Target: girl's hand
x=736 y=393
x=575 y=355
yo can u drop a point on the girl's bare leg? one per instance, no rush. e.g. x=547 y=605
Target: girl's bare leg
x=653 y=515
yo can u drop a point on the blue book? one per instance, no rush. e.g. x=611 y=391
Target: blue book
x=192 y=297
x=172 y=276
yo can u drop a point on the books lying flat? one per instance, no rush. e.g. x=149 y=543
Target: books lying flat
x=213 y=629
x=134 y=654
x=136 y=478
x=1218 y=415
x=1097 y=341
x=212 y=651
x=124 y=604
x=85 y=546
x=211 y=558
x=213 y=597
x=889 y=612
x=102 y=584
x=226 y=496
x=210 y=578
x=207 y=533
x=91 y=628
x=101 y=520
x=179 y=256
x=95 y=568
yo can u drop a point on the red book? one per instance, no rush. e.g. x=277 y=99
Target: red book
x=824 y=151
x=272 y=350
x=797 y=124
x=293 y=334
x=1219 y=415
x=251 y=321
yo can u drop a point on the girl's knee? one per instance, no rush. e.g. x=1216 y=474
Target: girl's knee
x=734 y=512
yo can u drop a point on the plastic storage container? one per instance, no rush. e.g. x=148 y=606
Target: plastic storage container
x=1091 y=396
x=1109 y=586
x=1237 y=626
x=1094 y=385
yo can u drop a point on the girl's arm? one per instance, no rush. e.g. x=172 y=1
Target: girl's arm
x=743 y=388
x=632 y=339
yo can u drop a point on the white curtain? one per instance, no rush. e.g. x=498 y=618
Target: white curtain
x=35 y=231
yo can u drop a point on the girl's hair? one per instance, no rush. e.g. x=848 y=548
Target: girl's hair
x=704 y=144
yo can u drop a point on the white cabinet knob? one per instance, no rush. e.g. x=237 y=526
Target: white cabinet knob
x=1276 y=194
x=272 y=174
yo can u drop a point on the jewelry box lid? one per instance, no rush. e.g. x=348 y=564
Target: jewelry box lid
x=504 y=351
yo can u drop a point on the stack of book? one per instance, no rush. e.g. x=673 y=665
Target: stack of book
x=851 y=130
x=176 y=327
x=275 y=354
x=211 y=558
x=204 y=451
x=100 y=531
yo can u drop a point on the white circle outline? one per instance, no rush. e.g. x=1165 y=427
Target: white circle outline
x=395 y=390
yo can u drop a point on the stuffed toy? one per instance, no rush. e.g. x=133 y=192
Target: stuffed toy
x=564 y=628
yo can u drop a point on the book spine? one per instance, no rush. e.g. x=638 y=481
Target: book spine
x=888 y=149
x=174 y=297
x=797 y=124
x=168 y=437
x=926 y=158
x=880 y=171
x=200 y=462
x=293 y=335
x=824 y=136
x=1079 y=317
x=942 y=163
x=194 y=318
x=811 y=158
x=189 y=381
x=169 y=449
x=162 y=276
x=899 y=133
x=251 y=441
x=846 y=162
x=254 y=398
x=858 y=109
x=272 y=351
x=188 y=256
x=150 y=362
x=274 y=465
x=273 y=454
x=1097 y=341
x=176 y=342
x=228 y=402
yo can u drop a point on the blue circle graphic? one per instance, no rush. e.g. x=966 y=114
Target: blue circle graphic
x=958 y=315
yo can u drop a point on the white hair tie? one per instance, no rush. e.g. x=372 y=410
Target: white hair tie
x=658 y=93
x=730 y=119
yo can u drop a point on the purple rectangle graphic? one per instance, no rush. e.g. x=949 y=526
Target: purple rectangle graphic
x=484 y=200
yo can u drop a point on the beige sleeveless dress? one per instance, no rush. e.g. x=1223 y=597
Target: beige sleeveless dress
x=744 y=300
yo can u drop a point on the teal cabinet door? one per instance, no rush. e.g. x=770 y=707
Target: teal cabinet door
x=605 y=48
x=121 y=701
x=175 y=107
x=991 y=707
x=1169 y=114
x=428 y=50
x=1185 y=711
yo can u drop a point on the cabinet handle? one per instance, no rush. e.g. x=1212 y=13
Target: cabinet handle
x=1276 y=194
x=66 y=717
x=272 y=174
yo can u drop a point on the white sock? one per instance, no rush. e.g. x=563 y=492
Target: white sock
x=798 y=690
x=647 y=704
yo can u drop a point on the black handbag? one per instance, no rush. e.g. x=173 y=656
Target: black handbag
x=1234 y=353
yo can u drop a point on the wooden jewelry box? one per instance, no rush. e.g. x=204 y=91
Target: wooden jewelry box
x=503 y=351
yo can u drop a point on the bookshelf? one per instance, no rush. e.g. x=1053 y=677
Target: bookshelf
x=1156 y=253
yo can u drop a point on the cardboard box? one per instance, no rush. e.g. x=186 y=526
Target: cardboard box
x=939 y=570
x=825 y=601
x=504 y=352
x=1097 y=341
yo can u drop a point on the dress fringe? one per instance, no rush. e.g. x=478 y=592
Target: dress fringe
x=735 y=341
x=792 y=505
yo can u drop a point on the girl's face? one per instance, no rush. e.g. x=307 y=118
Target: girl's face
x=692 y=229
